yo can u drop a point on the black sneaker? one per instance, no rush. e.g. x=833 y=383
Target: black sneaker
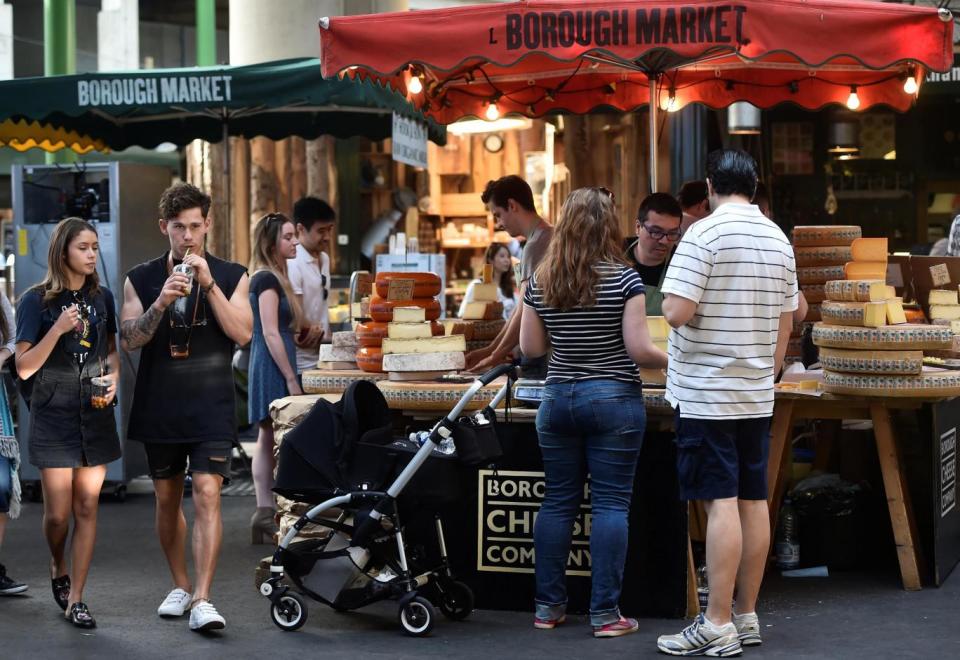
x=9 y=587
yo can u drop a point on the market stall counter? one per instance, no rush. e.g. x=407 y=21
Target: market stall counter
x=490 y=529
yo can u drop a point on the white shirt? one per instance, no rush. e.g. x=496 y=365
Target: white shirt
x=508 y=303
x=739 y=268
x=307 y=279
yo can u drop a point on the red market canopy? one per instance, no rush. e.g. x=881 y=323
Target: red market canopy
x=545 y=56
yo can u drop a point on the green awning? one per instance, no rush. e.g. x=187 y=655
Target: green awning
x=152 y=106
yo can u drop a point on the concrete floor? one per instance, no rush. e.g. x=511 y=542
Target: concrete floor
x=847 y=615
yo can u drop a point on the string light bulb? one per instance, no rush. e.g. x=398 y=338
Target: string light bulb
x=493 y=112
x=853 y=101
x=415 y=86
x=672 y=104
x=910 y=85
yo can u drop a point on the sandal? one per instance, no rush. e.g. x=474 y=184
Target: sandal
x=80 y=616
x=61 y=591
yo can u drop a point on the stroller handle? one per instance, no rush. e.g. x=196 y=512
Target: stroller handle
x=479 y=384
x=498 y=371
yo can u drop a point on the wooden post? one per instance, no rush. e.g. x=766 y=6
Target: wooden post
x=263 y=185
x=240 y=193
x=281 y=165
x=298 y=169
x=322 y=170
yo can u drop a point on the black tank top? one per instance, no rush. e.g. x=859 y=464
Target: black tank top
x=187 y=399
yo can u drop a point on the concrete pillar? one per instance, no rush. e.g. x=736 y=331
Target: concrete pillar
x=6 y=41
x=206 y=32
x=59 y=37
x=118 y=35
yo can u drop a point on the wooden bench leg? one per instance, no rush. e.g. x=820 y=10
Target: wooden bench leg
x=898 y=499
x=693 y=599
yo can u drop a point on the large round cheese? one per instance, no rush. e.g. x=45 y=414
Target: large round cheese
x=819 y=274
x=370 y=358
x=822 y=256
x=887 y=337
x=815 y=235
x=371 y=333
x=334 y=382
x=381 y=309
x=871 y=362
x=813 y=293
x=425 y=285
x=928 y=384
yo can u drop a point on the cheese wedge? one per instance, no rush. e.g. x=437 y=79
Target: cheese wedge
x=331 y=353
x=658 y=327
x=485 y=292
x=942 y=297
x=869 y=314
x=950 y=312
x=409 y=330
x=858 y=290
x=483 y=311
x=443 y=344
x=865 y=270
x=458 y=327
x=445 y=361
x=895 y=315
x=869 y=249
x=409 y=314
x=345 y=339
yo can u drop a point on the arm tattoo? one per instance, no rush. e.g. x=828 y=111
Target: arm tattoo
x=137 y=332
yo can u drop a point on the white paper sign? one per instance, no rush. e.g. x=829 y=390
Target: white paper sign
x=409 y=141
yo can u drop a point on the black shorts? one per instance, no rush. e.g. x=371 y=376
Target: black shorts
x=722 y=458
x=166 y=460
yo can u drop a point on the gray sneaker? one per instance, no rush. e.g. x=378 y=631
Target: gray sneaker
x=9 y=586
x=748 y=629
x=702 y=638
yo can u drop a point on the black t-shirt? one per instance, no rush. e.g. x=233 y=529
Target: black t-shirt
x=186 y=399
x=649 y=274
x=35 y=318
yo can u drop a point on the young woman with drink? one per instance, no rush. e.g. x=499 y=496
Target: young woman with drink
x=273 y=357
x=66 y=336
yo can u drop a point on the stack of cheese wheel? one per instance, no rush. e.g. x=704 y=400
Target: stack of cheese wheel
x=409 y=296
x=820 y=252
x=340 y=353
x=945 y=311
x=416 y=348
x=867 y=349
x=485 y=305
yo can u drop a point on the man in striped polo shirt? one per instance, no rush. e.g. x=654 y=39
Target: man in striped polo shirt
x=730 y=293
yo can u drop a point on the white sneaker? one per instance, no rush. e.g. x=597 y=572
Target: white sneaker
x=176 y=603
x=703 y=638
x=748 y=628
x=204 y=616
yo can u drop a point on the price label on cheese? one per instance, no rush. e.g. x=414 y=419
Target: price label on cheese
x=400 y=289
x=940 y=275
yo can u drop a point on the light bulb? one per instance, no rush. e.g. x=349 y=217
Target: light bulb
x=415 y=86
x=493 y=112
x=910 y=86
x=853 y=101
x=671 y=105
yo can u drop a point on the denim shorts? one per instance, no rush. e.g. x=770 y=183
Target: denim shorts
x=165 y=460
x=722 y=458
x=6 y=485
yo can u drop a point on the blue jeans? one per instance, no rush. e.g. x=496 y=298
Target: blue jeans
x=590 y=427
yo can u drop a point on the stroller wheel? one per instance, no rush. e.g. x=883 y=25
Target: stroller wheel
x=290 y=612
x=455 y=600
x=416 y=617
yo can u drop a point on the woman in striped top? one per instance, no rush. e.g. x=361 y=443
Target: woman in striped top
x=587 y=308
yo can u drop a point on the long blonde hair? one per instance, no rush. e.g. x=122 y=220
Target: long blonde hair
x=57 y=279
x=266 y=236
x=586 y=234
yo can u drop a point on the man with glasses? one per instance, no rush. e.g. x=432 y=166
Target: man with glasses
x=183 y=404
x=309 y=275
x=658 y=230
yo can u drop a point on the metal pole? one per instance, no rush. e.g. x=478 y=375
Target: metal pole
x=60 y=52
x=654 y=111
x=206 y=32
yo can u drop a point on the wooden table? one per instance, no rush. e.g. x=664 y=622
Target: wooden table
x=791 y=408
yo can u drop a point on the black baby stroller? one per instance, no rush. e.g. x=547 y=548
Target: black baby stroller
x=340 y=457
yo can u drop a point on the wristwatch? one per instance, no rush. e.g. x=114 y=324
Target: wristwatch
x=207 y=289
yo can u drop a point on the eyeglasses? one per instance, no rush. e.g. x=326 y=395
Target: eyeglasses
x=656 y=233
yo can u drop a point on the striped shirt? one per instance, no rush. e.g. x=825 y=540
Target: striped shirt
x=739 y=268
x=587 y=342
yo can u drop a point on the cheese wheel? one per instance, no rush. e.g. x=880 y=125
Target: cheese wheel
x=813 y=293
x=927 y=384
x=816 y=235
x=819 y=274
x=942 y=297
x=871 y=362
x=822 y=256
x=371 y=333
x=345 y=338
x=381 y=309
x=334 y=382
x=945 y=312
x=370 y=358
x=425 y=285
x=331 y=353
x=869 y=314
x=813 y=313
x=869 y=249
x=858 y=290
x=914 y=315
x=888 y=337
x=487 y=330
